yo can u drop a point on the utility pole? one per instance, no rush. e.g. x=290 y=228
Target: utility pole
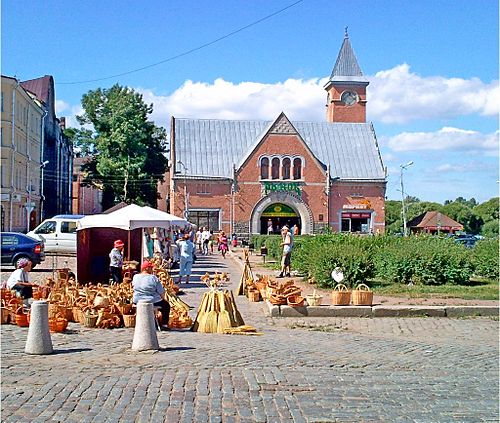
x=404 y=167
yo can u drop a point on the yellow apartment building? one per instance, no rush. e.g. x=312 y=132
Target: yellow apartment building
x=21 y=157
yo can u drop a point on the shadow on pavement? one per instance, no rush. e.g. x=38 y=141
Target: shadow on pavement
x=176 y=348
x=72 y=350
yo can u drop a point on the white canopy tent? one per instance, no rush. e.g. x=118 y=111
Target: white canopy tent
x=133 y=217
x=129 y=219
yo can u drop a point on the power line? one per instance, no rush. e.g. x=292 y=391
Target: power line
x=185 y=53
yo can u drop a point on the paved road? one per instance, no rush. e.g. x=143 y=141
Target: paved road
x=300 y=370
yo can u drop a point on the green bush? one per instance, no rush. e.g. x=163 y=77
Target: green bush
x=485 y=258
x=427 y=260
x=272 y=242
x=316 y=257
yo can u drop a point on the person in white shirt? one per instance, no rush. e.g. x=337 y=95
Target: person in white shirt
x=205 y=238
x=19 y=279
x=287 y=245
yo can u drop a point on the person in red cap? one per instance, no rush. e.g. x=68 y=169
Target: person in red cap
x=116 y=261
x=148 y=287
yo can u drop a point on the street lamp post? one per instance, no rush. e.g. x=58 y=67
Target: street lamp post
x=404 y=167
x=186 y=200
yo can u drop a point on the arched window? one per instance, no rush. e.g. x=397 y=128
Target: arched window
x=287 y=164
x=275 y=168
x=264 y=168
x=297 y=168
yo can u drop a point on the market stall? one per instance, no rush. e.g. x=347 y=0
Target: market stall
x=96 y=233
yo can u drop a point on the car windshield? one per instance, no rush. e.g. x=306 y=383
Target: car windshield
x=47 y=228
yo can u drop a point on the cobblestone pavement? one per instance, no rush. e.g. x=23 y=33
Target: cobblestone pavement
x=300 y=370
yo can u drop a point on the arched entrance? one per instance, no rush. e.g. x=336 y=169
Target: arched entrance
x=275 y=216
x=302 y=212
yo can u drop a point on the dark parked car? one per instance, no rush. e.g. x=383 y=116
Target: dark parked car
x=16 y=246
x=467 y=240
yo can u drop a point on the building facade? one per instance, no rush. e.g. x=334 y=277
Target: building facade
x=86 y=199
x=21 y=157
x=250 y=177
x=57 y=152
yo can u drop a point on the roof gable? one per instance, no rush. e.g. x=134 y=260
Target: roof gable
x=281 y=126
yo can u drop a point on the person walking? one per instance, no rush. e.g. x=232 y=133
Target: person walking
x=116 y=261
x=186 y=251
x=211 y=242
x=287 y=244
x=223 y=247
x=148 y=287
x=205 y=239
x=197 y=238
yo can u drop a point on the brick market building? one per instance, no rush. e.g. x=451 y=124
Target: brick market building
x=241 y=176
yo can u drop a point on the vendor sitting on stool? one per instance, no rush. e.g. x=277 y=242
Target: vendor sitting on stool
x=148 y=287
x=19 y=279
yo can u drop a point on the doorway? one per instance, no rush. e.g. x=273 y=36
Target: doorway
x=275 y=216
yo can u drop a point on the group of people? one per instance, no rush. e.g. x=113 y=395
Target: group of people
x=205 y=241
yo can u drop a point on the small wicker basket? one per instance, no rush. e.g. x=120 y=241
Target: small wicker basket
x=341 y=295
x=253 y=295
x=90 y=320
x=362 y=295
x=129 y=320
x=314 y=299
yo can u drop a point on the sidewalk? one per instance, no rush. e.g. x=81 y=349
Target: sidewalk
x=383 y=306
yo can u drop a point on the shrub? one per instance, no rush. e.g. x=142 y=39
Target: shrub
x=425 y=259
x=485 y=258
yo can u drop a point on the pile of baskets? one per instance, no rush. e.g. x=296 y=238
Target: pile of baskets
x=277 y=293
x=361 y=295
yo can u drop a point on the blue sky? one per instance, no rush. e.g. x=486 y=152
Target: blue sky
x=433 y=69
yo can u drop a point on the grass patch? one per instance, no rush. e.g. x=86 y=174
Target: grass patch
x=478 y=289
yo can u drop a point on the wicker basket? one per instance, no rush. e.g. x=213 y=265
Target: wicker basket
x=58 y=323
x=362 y=295
x=341 y=295
x=314 y=300
x=253 y=295
x=129 y=320
x=90 y=320
x=124 y=308
x=295 y=301
x=5 y=316
x=277 y=299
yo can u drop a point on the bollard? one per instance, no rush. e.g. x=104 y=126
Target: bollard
x=39 y=341
x=145 y=330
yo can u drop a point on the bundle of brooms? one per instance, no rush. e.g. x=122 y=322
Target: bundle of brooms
x=218 y=313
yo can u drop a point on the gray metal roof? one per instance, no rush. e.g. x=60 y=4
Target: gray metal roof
x=346 y=67
x=211 y=147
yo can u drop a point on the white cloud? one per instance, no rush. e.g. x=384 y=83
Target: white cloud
x=450 y=139
x=299 y=99
x=395 y=96
x=399 y=96
x=61 y=106
x=470 y=167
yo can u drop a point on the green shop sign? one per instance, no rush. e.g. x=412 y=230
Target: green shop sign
x=279 y=210
x=292 y=187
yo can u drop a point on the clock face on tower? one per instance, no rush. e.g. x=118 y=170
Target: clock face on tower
x=349 y=98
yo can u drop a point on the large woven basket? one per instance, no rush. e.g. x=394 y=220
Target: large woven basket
x=341 y=295
x=362 y=295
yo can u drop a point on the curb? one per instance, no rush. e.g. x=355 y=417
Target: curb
x=381 y=311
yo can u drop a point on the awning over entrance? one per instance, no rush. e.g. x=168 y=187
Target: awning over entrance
x=279 y=210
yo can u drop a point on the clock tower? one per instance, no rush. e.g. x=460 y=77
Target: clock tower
x=346 y=88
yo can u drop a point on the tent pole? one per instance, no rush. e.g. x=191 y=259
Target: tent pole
x=128 y=246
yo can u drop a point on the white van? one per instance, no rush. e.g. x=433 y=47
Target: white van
x=58 y=233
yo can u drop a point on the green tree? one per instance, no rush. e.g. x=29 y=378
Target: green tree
x=462 y=213
x=127 y=151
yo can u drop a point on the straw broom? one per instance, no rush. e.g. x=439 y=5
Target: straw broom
x=210 y=325
x=201 y=316
x=224 y=321
x=236 y=314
